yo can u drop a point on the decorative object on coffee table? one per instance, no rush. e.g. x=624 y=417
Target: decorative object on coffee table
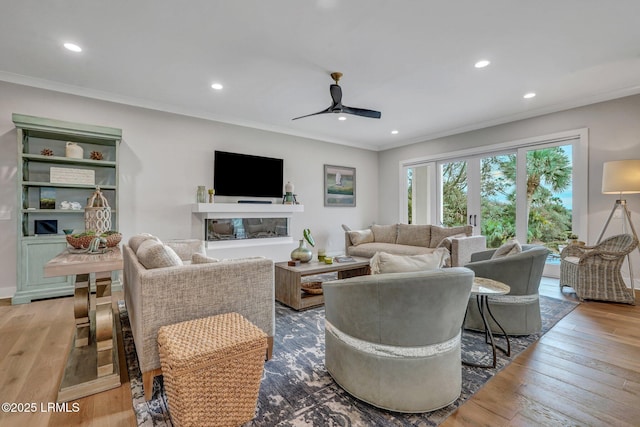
x=303 y=253
x=313 y=288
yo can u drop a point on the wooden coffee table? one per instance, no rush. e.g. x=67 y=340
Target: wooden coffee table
x=289 y=280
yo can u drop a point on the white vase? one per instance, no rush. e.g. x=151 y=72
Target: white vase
x=73 y=150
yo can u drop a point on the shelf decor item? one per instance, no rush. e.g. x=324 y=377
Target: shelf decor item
x=97 y=213
x=47 y=152
x=73 y=150
x=96 y=155
x=211 y=192
x=288 y=193
x=47 y=198
x=200 y=195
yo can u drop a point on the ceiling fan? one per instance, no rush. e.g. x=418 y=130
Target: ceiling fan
x=336 y=104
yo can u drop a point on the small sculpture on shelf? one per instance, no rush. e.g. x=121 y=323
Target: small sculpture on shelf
x=47 y=152
x=289 y=198
x=73 y=150
x=211 y=192
x=96 y=155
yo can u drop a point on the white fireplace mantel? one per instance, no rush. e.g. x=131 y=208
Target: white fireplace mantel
x=245 y=210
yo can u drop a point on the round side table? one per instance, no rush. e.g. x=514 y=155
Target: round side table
x=483 y=289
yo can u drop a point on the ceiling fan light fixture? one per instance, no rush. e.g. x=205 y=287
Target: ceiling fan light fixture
x=337 y=107
x=72 y=47
x=482 y=63
x=529 y=95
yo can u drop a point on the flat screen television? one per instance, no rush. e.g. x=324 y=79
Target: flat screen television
x=244 y=175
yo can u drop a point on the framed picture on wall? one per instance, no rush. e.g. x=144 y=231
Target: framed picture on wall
x=339 y=186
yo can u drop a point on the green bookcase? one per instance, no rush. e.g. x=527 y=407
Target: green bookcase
x=41 y=146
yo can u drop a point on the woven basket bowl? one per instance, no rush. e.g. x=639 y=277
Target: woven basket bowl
x=84 y=241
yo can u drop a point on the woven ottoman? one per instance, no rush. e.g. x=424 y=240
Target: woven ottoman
x=212 y=369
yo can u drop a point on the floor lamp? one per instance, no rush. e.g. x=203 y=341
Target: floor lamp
x=621 y=177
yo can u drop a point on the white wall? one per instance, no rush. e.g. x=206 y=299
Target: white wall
x=614 y=134
x=164 y=157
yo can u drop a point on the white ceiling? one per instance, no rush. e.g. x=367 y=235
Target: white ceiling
x=411 y=60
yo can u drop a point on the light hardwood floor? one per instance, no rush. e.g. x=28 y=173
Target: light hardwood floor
x=585 y=371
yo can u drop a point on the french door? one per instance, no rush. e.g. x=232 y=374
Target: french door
x=527 y=193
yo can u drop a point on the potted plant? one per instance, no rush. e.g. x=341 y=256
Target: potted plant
x=302 y=253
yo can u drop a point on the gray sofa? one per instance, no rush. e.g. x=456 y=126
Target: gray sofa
x=414 y=239
x=518 y=312
x=163 y=296
x=393 y=340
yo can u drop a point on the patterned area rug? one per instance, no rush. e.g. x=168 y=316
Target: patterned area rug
x=296 y=389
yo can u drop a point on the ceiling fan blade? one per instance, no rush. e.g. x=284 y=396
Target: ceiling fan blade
x=328 y=110
x=361 y=112
x=336 y=94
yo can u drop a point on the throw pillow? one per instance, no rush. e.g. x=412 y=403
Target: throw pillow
x=383 y=262
x=185 y=248
x=438 y=233
x=136 y=241
x=385 y=233
x=414 y=235
x=359 y=237
x=153 y=254
x=446 y=243
x=202 y=259
x=510 y=247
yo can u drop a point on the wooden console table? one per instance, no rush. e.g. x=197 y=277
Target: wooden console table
x=289 y=280
x=92 y=364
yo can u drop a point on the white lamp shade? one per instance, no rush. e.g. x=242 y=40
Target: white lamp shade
x=621 y=177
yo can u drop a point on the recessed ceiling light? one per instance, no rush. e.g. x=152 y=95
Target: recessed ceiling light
x=394 y=132
x=483 y=63
x=216 y=86
x=529 y=95
x=73 y=47
x=342 y=118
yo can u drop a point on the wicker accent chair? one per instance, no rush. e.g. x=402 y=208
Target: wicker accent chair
x=594 y=271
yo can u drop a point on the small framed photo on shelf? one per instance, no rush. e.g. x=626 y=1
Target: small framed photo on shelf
x=339 y=186
x=47 y=198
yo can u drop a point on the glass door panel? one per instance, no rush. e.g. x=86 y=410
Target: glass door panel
x=454 y=193
x=498 y=198
x=549 y=198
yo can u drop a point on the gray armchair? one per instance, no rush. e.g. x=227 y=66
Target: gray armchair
x=518 y=312
x=393 y=340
